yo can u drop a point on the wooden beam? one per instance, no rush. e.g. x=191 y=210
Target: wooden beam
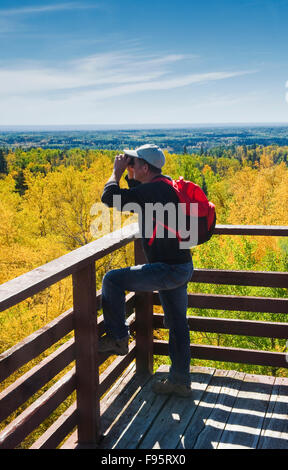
x=231 y=326
x=24 y=286
x=23 y=388
x=35 y=344
x=57 y=432
x=234 y=302
x=28 y=284
x=143 y=321
x=86 y=352
x=36 y=413
x=114 y=370
x=240 y=356
x=241 y=278
x=263 y=230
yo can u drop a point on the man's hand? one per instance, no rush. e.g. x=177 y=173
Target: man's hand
x=120 y=164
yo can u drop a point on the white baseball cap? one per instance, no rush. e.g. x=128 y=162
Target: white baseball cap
x=150 y=153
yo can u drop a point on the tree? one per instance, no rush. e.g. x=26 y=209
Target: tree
x=3 y=163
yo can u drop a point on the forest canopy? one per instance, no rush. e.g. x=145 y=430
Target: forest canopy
x=46 y=197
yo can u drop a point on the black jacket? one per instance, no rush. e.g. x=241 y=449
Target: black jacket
x=165 y=249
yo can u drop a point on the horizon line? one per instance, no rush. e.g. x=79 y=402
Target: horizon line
x=129 y=126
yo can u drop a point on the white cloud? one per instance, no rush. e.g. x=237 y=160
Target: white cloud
x=102 y=76
x=80 y=89
x=13 y=20
x=45 y=8
x=153 y=85
x=101 y=70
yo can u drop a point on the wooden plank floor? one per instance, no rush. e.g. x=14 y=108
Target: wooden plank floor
x=227 y=410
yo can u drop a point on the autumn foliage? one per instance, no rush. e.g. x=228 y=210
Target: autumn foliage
x=46 y=198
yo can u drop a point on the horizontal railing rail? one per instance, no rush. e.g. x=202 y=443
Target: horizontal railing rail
x=263 y=230
x=23 y=388
x=232 y=326
x=28 y=284
x=81 y=325
x=225 y=354
x=241 y=278
x=235 y=302
x=35 y=344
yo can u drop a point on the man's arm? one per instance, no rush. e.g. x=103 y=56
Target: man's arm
x=132 y=183
x=120 y=165
x=112 y=187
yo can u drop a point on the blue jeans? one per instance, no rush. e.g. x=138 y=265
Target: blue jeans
x=171 y=282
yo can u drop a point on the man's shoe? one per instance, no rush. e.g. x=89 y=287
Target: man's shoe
x=114 y=346
x=164 y=387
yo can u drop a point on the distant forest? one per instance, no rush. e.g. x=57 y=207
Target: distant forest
x=36 y=160
x=186 y=140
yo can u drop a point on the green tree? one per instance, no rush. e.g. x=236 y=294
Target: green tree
x=3 y=163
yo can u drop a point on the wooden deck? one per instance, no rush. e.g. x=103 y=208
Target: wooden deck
x=228 y=410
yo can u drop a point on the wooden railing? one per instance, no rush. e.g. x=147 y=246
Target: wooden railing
x=80 y=352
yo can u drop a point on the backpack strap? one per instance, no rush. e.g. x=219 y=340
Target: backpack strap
x=174 y=186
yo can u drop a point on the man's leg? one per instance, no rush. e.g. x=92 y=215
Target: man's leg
x=174 y=303
x=145 y=278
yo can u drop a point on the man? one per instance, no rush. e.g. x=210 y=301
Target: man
x=168 y=267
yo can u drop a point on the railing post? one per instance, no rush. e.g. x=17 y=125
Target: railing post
x=144 y=321
x=86 y=340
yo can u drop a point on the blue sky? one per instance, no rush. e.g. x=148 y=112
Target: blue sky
x=134 y=62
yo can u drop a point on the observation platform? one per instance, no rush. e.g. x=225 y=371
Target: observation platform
x=228 y=409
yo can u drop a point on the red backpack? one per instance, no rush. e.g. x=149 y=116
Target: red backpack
x=187 y=193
